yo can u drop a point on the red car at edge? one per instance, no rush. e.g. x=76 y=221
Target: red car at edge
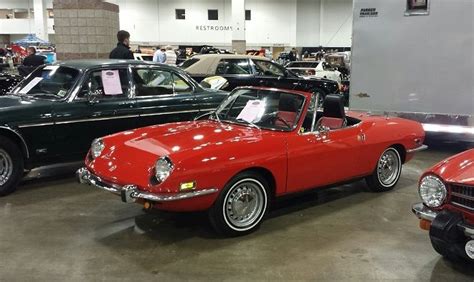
x=447 y=210
x=259 y=144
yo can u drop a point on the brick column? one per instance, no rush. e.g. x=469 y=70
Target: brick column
x=85 y=29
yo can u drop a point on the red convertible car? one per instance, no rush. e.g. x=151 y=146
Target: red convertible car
x=447 y=210
x=260 y=143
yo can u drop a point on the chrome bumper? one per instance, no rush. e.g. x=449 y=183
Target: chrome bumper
x=129 y=193
x=422 y=212
x=417 y=149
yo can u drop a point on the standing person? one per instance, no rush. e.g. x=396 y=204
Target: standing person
x=33 y=60
x=30 y=62
x=170 y=56
x=122 y=51
x=160 y=55
x=291 y=56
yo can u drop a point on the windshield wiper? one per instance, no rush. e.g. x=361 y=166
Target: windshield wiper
x=249 y=123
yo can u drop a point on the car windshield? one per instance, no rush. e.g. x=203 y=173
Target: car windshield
x=268 y=109
x=49 y=82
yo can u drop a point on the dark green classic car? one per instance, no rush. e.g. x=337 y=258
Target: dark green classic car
x=55 y=113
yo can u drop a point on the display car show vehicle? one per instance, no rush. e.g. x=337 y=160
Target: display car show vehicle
x=447 y=207
x=53 y=115
x=8 y=82
x=319 y=69
x=143 y=57
x=243 y=70
x=260 y=144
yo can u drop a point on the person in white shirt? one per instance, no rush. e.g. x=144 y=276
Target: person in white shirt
x=170 y=56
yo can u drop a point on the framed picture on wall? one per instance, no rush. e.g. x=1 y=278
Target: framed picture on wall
x=417 y=7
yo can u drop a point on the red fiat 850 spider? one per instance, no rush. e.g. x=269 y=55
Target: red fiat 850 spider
x=447 y=210
x=259 y=144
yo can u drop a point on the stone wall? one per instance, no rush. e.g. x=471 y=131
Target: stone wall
x=85 y=29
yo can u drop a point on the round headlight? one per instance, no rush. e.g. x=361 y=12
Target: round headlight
x=97 y=147
x=432 y=191
x=163 y=168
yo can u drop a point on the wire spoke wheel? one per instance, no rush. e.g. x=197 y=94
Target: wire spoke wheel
x=6 y=167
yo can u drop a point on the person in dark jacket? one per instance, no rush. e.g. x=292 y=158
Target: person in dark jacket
x=33 y=60
x=122 y=51
x=30 y=62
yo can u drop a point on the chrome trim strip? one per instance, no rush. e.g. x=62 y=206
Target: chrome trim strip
x=35 y=124
x=95 y=119
x=177 y=112
x=462 y=206
x=130 y=192
x=417 y=149
x=425 y=213
x=460 y=195
x=21 y=138
x=168 y=113
x=111 y=118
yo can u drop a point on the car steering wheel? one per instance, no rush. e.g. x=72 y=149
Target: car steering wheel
x=275 y=116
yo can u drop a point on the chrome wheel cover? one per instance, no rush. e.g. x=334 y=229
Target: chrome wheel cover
x=388 y=167
x=245 y=204
x=6 y=167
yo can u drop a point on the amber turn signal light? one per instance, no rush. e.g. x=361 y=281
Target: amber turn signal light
x=187 y=186
x=425 y=224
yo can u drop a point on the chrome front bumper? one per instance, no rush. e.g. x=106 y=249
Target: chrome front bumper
x=129 y=193
x=422 y=212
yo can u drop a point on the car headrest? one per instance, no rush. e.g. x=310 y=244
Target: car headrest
x=334 y=106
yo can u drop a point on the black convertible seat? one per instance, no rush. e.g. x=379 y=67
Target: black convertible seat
x=334 y=106
x=334 y=116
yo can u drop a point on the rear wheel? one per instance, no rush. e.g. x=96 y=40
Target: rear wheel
x=241 y=206
x=387 y=172
x=11 y=166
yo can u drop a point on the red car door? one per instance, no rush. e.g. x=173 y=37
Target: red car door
x=321 y=159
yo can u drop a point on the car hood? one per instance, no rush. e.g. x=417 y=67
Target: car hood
x=139 y=149
x=176 y=138
x=457 y=169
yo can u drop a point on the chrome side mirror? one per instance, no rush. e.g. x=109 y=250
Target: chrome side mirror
x=323 y=130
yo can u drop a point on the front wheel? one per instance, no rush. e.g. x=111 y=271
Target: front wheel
x=241 y=206
x=11 y=166
x=387 y=172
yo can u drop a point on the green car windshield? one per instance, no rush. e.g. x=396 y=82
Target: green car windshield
x=268 y=109
x=49 y=82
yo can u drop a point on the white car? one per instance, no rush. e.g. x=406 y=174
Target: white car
x=143 y=57
x=319 y=69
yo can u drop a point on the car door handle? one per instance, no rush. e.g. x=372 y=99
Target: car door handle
x=361 y=137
